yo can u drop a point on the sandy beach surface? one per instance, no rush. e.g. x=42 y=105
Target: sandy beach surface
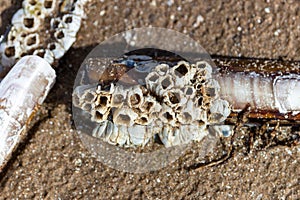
x=52 y=163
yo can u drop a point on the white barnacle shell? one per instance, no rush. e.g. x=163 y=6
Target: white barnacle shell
x=167 y=115
x=118 y=135
x=139 y=135
x=84 y=96
x=135 y=96
x=72 y=24
x=182 y=73
x=118 y=96
x=46 y=54
x=25 y=21
x=79 y=8
x=31 y=41
x=101 y=106
x=64 y=38
x=162 y=69
x=152 y=81
x=212 y=88
x=219 y=111
x=57 y=49
x=165 y=83
x=25 y=87
x=100 y=130
x=143 y=119
x=111 y=133
x=190 y=113
x=172 y=136
x=9 y=54
x=204 y=70
x=174 y=98
x=189 y=92
x=150 y=105
x=124 y=116
x=48 y=6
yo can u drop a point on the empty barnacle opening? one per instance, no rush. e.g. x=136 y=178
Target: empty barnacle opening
x=11 y=37
x=168 y=116
x=68 y=19
x=48 y=4
x=166 y=82
x=103 y=101
x=40 y=52
x=181 y=70
x=52 y=46
x=31 y=40
x=142 y=120
x=153 y=77
x=60 y=34
x=54 y=23
x=189 y=91
x=28 y=22
x=123 y=119
x=135 y=99
x=198 y=86
x=98 y=116
x=10 y=51
x=173 y=97
x=200 y=101
x=147 y=105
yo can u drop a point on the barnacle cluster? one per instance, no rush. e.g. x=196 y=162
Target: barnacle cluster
x=176 y=103
x=46 y=28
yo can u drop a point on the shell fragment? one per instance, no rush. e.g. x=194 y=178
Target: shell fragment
x=21 y=91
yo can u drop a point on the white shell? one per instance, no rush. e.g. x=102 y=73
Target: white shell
x=124 y=116
x=287 y=93
x=57 y=49
x=24 y=87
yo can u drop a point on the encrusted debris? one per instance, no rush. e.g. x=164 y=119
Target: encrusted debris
x=176 y=103
x=46 y=28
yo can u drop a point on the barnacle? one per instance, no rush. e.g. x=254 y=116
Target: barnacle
x=135 y=96
x=178 y=103
x=30 y=33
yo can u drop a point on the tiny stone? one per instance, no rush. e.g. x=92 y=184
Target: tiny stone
x=267 y=10
x=102 y=13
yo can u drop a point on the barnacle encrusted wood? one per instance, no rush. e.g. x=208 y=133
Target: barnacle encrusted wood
x=46 y=28
x=21 y=91
x=175 y=101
